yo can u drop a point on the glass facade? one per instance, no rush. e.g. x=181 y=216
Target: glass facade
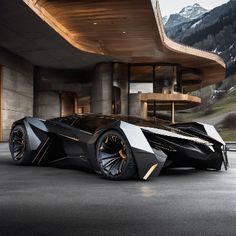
x=154 y=79
x=163 y=79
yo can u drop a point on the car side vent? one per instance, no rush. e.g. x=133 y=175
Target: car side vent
x=158 y=142
x=161 y=146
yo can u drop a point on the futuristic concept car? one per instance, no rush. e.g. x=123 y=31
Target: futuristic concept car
x=118 y=147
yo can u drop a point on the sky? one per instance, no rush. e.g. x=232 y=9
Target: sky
x=174 y=6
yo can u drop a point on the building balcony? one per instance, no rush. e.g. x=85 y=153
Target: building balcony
x=144 y=104
x=164 y=101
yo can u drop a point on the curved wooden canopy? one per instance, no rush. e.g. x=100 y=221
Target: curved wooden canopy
x=129 y=30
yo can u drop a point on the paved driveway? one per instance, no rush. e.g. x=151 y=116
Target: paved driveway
x=55 y=201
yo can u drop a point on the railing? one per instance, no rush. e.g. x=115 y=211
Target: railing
x=231 y=146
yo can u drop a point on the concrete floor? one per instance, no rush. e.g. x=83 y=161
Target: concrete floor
x=53 y=201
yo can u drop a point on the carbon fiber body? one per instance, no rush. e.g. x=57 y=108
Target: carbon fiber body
x=75 y=137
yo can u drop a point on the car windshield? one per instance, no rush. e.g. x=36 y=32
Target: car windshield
x=90 y=122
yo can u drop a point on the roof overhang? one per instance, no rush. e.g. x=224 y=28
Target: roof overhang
x=129 y=30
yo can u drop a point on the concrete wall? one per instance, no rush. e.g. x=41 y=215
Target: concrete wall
x=48 y=104
x=50 y=83
x=17 y=90
x=85 y=104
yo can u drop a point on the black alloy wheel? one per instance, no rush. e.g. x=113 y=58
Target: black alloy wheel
x=18 y=144
x=114 y=157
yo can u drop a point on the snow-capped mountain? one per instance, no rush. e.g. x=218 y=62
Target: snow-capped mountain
x=193 y=12
x=214 y=31
x=185 y=15
x=165 y=19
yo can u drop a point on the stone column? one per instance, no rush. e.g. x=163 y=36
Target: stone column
x=137 y=107
x=101 y=93
x=120 y=79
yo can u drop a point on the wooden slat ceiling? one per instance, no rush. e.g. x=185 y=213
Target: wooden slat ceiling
x=129 y=30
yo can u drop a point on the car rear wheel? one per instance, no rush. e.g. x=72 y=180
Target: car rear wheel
x=114 y=157
x=18 y=144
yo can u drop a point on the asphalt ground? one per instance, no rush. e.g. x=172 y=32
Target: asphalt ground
x=58 y=201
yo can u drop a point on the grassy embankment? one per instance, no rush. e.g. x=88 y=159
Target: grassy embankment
x=220 y=114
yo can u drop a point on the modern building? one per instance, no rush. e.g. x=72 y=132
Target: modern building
x=106 y=56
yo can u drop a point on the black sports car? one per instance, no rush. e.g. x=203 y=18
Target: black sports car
x=118 y=147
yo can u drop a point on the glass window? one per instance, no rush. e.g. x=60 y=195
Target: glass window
x=165 y=79
x=141 y=73
x=141 y=87
x=153 y=79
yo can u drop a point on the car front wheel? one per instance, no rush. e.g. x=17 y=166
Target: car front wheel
x=114 y=157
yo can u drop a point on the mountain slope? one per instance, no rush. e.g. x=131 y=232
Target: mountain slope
x=221 y=114
x=214 y=31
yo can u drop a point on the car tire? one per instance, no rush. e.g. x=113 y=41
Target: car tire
x=19 y=145
x=114 y=157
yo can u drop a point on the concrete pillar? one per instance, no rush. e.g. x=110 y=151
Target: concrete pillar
x=120 y=79
x=101 y=92
x=143 y=112
x=137 y=107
